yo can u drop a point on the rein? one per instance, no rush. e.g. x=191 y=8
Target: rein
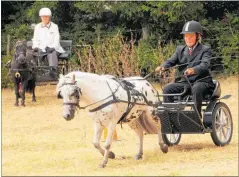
x=24 y=69
x=130 y=92
x=211 y=58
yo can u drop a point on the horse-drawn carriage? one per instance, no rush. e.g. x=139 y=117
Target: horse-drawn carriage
x=182 y=117
x=136 y=101
x=44 y=70
x=29 y=68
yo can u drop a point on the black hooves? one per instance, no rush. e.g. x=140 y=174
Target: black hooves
x=111 y=155
x=138 y=157
x=34 y=100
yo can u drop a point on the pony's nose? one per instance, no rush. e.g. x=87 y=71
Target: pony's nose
x=22 y=59
x=67 y=117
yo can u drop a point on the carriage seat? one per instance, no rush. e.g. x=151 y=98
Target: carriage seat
x=216 y=93
x=66 y=45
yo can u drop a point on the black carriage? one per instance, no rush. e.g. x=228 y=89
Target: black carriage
x=182 y=117
x=43 y=70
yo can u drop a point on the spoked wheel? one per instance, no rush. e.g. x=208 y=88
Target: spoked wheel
x=171 y=139
x=222 y=125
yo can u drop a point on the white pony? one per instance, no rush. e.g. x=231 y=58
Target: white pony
x=110 y=100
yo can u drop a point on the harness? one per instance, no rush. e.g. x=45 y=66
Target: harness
x=131 y=100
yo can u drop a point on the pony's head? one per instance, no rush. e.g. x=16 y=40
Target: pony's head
x=68 y=90
x=20 y=52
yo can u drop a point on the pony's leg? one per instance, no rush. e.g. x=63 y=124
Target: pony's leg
x=33 y=94
x=108 y=142
x=163 y=146
x=16 y=86
x=98 y=129
x=139 y=131
x=24 y=84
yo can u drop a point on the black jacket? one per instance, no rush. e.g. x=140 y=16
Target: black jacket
x=199 y=60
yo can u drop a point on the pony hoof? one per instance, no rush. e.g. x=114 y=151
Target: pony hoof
x=16 y=105
x=138 y=157
x=23 y=105
x=111 y=155
x=34 y=100
x=102 y=166
x=164 y=148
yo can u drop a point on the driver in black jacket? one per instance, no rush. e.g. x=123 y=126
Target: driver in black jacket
x=197 y=61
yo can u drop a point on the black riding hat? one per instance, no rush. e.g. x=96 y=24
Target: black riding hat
x=192 y=27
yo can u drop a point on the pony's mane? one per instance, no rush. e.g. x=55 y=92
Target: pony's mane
x=91 y=76
x=78 y=74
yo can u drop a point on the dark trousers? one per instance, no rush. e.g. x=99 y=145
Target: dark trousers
x=51 y=57
x=199 y=90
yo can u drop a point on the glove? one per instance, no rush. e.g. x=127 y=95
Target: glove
x=49 y=50
x=35 y=49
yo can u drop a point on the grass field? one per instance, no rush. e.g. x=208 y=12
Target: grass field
x=36 y=140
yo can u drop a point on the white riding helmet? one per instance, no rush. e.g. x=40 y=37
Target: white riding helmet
x=45 y=12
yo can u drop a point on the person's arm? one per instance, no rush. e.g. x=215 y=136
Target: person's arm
x=172 y=61
x=205 y=62
x=56 y=42
x=35 y=41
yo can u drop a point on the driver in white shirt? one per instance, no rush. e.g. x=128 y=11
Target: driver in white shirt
x=46 y=38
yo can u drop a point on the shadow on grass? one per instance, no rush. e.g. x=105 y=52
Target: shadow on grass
x=193 y=147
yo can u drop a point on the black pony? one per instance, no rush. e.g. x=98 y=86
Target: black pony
x=23 y=74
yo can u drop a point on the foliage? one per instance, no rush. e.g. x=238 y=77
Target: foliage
x=127 y=36
x=225 y=43
x=229 y=44
x=6 y=78
x=117 y=56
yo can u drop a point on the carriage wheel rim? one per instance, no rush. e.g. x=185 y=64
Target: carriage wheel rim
x=172 y=138
x=223 y=125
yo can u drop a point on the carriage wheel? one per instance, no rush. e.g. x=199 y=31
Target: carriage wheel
x=222 y=126
x=171 y=139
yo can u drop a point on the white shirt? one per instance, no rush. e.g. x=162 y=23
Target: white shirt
x=193 y=46
x=47 y=36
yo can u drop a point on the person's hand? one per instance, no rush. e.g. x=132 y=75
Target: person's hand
x=159 y=69
x=189 y=71
x=35 y=49
x=49 y=49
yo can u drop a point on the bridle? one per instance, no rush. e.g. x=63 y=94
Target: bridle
x=77 y=94
x=16 y=58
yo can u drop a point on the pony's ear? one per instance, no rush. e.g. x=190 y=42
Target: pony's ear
x=59 y=95
x=73 y=78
